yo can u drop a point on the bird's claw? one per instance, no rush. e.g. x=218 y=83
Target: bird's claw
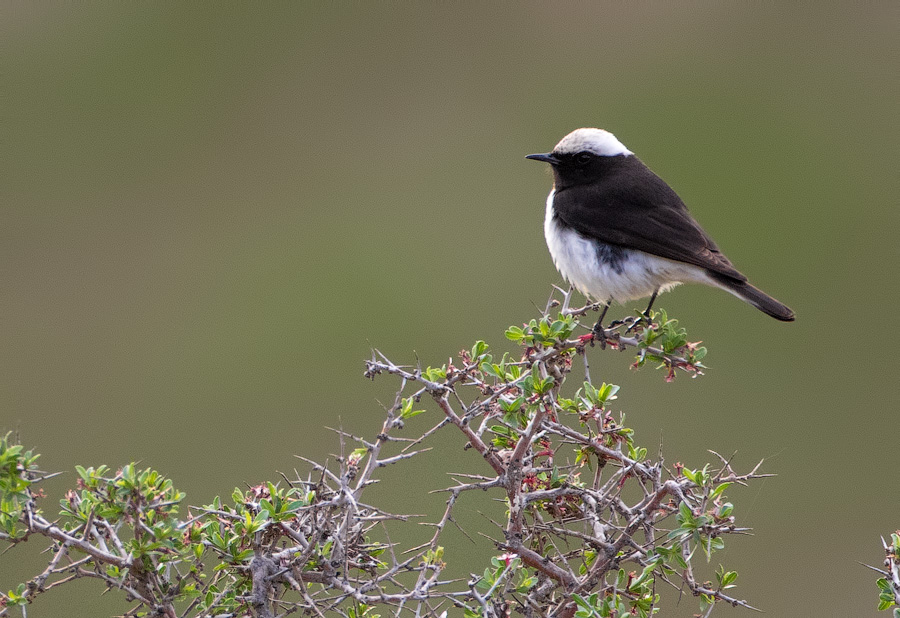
x=636 y=321
x=598 y=333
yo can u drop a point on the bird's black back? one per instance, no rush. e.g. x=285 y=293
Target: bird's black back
x=620 y=201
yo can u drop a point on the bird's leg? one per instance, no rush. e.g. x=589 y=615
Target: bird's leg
x=646 y=314
x=650 y=304
x=598 y=332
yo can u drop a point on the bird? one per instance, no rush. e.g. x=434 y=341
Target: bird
x=617 y=232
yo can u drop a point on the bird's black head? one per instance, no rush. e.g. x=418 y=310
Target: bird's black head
x=582 y=156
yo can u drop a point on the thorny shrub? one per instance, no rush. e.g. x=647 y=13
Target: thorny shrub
x=592 y=524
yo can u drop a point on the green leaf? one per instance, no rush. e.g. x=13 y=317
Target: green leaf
x=436 y=374
x=729 y=578
x=514 y=333
x=607 y=392
x=580 y=601
x=511 y=405
x=406 y=410
x=478 y=349
x=82 y=473
x=718 y=491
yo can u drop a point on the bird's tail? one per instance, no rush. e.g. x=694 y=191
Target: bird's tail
x=755 y=297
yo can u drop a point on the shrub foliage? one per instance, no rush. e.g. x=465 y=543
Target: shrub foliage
x=588 y=522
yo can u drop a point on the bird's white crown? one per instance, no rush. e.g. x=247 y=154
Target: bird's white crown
x=597 y=141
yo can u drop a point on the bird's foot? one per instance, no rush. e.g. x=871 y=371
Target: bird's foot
x=598 y=333
x=635 y=322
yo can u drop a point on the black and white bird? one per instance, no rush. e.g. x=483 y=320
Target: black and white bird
x=618 y=232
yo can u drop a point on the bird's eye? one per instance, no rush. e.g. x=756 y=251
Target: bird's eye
x=583 y=157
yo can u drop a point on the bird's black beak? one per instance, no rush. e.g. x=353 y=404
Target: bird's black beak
x=546 y=157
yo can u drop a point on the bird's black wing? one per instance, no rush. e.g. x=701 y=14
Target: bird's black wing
x=633 y=207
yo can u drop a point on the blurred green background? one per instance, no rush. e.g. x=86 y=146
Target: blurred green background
x=211 y=213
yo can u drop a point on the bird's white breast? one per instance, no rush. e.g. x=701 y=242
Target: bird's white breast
x=637 y=274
